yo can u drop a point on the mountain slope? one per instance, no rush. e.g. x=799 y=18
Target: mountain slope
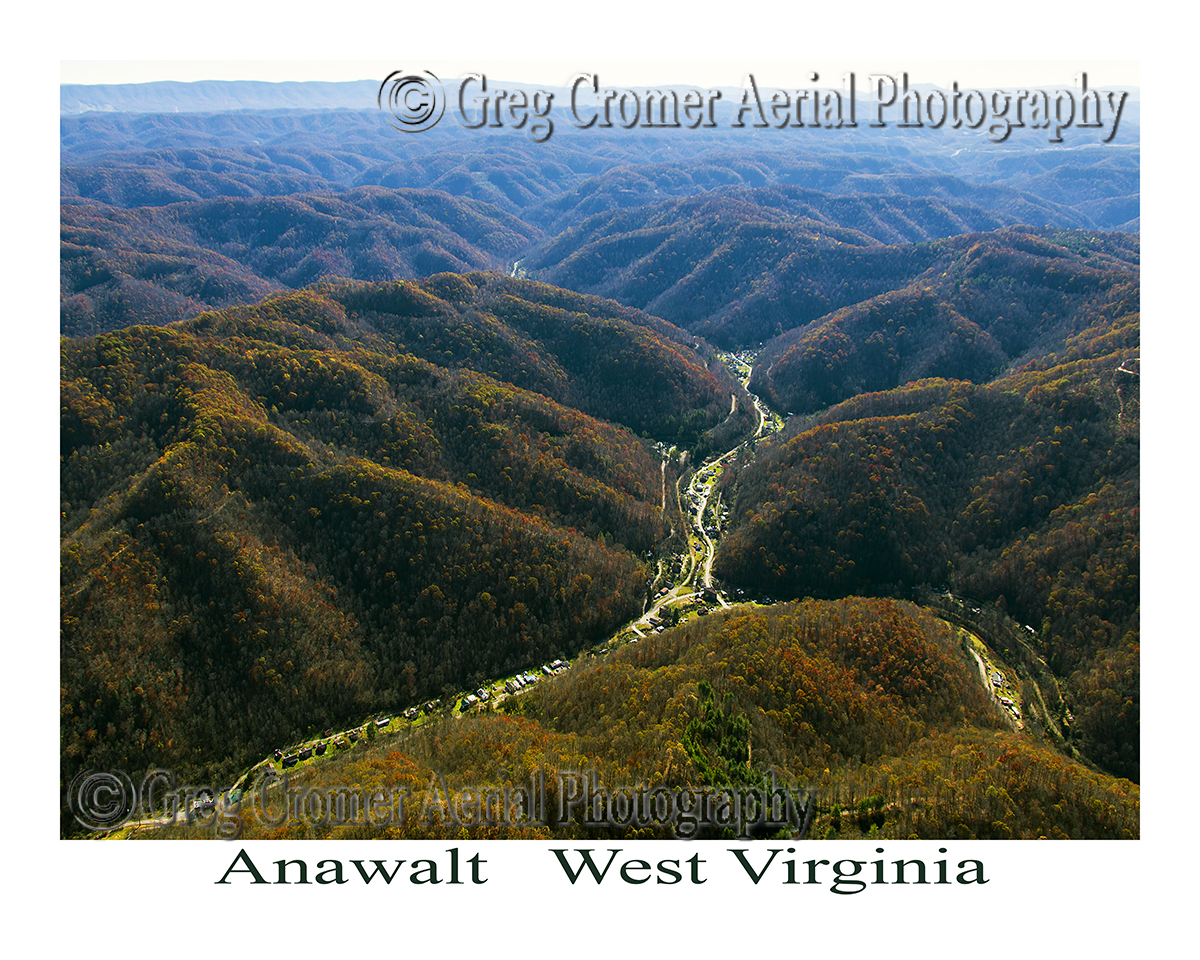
x=1022 y=491
x=274 y=516
x=163 y=263
x=872 y=709
x=981 y=303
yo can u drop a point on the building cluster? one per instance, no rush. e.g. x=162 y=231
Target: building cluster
x=1006 y=702
x=518 y=683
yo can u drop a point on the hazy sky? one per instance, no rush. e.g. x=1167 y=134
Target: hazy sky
x=789 y=73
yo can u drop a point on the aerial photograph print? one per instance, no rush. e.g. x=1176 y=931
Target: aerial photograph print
x=518 y=451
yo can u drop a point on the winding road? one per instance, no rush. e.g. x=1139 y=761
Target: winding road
x=695 y=580
x=695 y=575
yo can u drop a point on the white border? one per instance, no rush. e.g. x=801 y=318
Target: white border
x=129 y=897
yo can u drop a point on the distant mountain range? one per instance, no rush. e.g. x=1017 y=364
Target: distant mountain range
x=640 y=216
x=214 y=96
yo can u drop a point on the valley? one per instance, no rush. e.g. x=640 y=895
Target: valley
x=683 y=592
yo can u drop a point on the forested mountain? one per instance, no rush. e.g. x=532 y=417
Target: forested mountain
x=276 y=515
x=799 y=182
x=979 y=303
x=744 y=265
x=736 y=271
x=871 y=707
x=738 y=237
x=1023 y=491
x=164 y=263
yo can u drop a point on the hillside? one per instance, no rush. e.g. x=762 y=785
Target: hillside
x=738 y=238
x=162 y=263
x=738 y=272
x=871 y=708
x=275 y=516
x=740 y=265
x=1022 y=491
x=980 y=304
